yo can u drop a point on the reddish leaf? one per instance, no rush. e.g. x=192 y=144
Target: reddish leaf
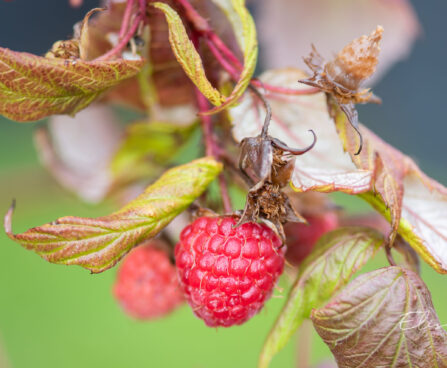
x=33 y=87
x=384 y=318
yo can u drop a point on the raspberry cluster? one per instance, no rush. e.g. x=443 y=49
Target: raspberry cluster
x=228 y=273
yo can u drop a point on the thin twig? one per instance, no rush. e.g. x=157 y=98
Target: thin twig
x=126 y=18
x=268 y=111
x=122 y=44
x=224 y=53
x=226 y=200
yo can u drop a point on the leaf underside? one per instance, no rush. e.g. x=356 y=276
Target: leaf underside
x=384 y=318
x=33 y=87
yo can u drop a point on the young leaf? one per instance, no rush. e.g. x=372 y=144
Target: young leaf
x=336 y=257
x=98 y=244
x=384 y=318
x=325 y=168
x=186 y=54
x=32 y=87
x=245 y=31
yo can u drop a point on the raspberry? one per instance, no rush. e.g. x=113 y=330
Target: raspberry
x=147 y=286
x=228 y=273
x=301 y=238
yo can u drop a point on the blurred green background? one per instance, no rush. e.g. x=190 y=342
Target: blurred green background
x=56 y=316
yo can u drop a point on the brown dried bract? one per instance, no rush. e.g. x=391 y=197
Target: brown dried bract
x=342 y=77
x=268 y=164
x=64 y=50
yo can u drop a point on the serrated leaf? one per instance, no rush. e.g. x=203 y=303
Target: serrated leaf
x=387 y=164
x=422 y=223
x=32 y=87
x=186 y=54
x=98 y=244
x=384 y=318
x=415 y=204
x=336 y=257
x=245 y=31
x=326 y=168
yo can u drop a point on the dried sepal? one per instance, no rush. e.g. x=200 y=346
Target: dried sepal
x=343 y=76
x=267 y=164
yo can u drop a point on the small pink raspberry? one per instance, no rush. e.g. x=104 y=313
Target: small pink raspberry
x=146 y=285
x=228 y=273
x=301 y=238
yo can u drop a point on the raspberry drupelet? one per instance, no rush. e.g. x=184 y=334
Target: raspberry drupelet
x=228 y=273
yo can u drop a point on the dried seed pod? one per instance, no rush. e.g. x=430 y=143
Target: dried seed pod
x=357 y=61
x=342 y=77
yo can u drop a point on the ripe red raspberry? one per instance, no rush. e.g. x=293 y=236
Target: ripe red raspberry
x=228 y=273
x=301 y=238
x=147 y=285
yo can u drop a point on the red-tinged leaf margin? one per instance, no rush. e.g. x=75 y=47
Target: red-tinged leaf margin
x=421 y=225
x=384 y=318
x=98 y=244
x=33 y=87
x=245 y=31
x=337 y=256
x=187 y=55
x=385 y=162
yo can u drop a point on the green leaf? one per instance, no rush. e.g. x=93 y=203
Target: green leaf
x=384 y=318
x=98 y=244
x=146 y=147
x=186 y=54
x=245 y=31
x=336 y=257
x=33 y=87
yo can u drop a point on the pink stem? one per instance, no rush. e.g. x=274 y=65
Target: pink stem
x=284 y=90
x=126 y=18
x=226 y=200
x=221 y=59
x=235 y=75
x=216 y=40
x=212 y=149
x=124 y=41
x=202 y=104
